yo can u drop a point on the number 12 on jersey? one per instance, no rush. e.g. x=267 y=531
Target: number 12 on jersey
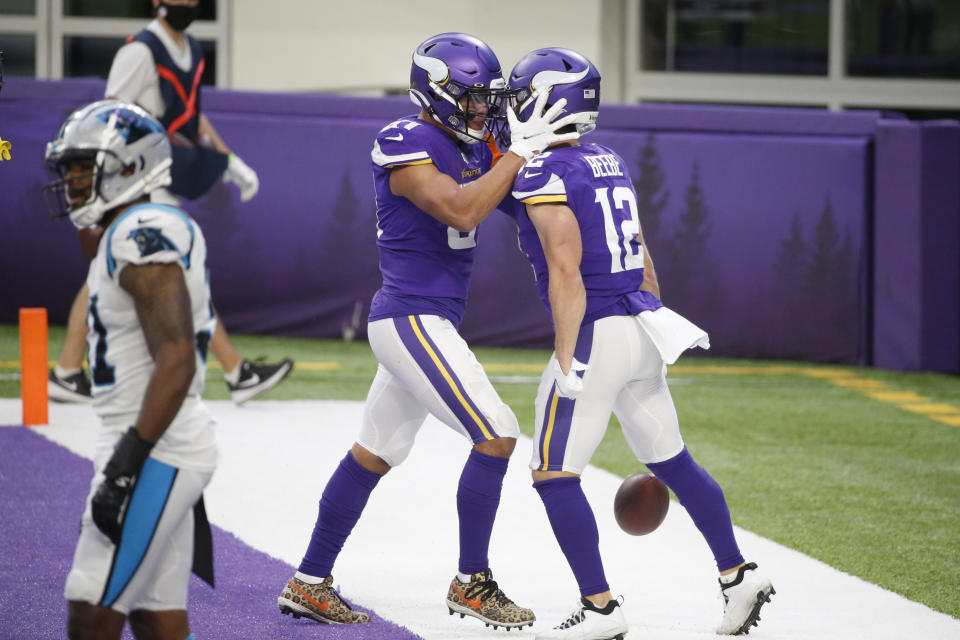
x=622 y=228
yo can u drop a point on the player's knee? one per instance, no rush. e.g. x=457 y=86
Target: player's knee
x=540 y=476
x=498 y=447
x=159 y=625
x=371 y=461
x=89 y=622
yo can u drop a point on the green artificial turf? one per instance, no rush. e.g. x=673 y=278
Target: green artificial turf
x=863 y=485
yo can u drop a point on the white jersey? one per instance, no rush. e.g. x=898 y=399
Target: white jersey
x=120 y=362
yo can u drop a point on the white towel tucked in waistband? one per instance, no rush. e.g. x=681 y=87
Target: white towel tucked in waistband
x=672 y=333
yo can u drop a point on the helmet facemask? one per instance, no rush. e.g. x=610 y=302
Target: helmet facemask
x=466 y=104
x=57 y=193
x=456 y=79
x=129 y=153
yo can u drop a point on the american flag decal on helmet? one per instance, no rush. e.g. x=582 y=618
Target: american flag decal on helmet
x=589 y=93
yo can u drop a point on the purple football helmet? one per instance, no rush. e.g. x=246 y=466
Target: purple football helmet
x=450 y=66
x=564 y=74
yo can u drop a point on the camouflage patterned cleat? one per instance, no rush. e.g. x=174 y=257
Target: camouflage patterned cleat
x=483 y=599
x=318 y=602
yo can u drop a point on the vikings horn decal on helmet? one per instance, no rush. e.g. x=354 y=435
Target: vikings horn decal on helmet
x=450 y=67
x=130 y=153
x=564 y=74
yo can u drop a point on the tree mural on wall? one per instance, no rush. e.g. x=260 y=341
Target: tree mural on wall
x=652 y=197
x=831 y=285
x=337 y=256
x=786 y=313
x=352 y=260
x=691 y=278
x=649 y=183
x=814 y=288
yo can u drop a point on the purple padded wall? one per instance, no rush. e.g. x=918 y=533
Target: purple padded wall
x=917 y=243
x=759 y=220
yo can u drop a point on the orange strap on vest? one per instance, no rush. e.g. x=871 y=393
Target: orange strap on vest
x=190 y=102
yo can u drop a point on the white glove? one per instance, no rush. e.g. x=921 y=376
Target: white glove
x=243 y=176
x=529 y=138
x=569 y=385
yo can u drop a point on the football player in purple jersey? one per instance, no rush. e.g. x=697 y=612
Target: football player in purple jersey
x=576 y=210
x=435 y=182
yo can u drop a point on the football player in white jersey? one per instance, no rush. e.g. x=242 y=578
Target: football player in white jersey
x=150 y=323
x=160 y=69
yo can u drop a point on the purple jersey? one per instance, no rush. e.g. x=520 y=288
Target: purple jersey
x=425 y=264
x=593 y=181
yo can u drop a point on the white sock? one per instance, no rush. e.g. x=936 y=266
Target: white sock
x=730 y=577
x=233 y=376
x=464 y=578
x=62 y=373
x=302 y=577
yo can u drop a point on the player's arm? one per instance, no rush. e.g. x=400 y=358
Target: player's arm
x=207 y=133
x=130 y=73
x=439 y=195
x=650 y=282
x=163 y=306
x=559 y=235
x=160 y=296
x=463 y=208
x=238 y=171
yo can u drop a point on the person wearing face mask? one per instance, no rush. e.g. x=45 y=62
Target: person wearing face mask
x=160 y=69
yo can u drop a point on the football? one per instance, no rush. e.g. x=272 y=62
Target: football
x=641 y=503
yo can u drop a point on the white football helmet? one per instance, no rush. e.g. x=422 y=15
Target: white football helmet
x=120 y=138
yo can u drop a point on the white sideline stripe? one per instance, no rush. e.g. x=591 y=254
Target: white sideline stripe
x=275 y=460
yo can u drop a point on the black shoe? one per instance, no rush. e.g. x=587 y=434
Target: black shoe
x=75 y=388
x=255 y=378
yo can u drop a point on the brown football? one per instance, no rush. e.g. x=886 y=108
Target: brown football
x=89 y=237
x=641 y=503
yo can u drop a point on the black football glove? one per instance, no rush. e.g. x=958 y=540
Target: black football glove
x=110 y=501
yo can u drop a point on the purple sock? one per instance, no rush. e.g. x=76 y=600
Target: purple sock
x=341 y=504
x=703 y=499
x=575 y=528
x=478 y=498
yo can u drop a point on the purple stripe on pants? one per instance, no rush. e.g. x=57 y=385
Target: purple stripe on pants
x=461 y=406
x=560 y=432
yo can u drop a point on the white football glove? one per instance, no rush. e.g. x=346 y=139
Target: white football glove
x=569 y=385
x=239 y=173
x=529 y=138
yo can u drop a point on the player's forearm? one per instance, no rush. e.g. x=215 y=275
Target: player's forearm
x=162 y=301
x=173 y=373
x=568 y=302
x=472 y=203
x=206 y=132
x=650 y=282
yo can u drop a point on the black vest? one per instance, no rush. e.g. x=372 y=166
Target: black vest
x=179 y=89
x=195 y=168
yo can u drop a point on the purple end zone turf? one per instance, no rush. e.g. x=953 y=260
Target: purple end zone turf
x=42 y=489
